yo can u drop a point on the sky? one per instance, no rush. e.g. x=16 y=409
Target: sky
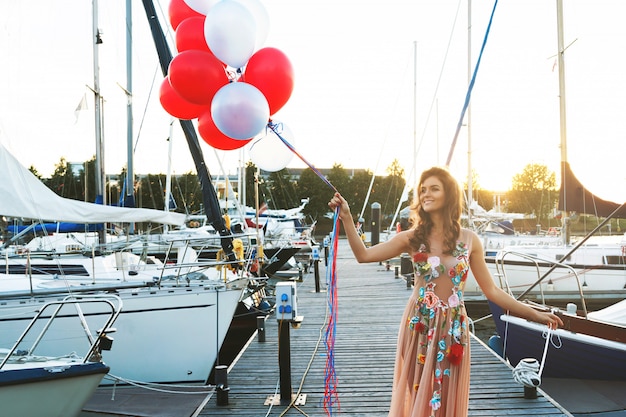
x=374 y=82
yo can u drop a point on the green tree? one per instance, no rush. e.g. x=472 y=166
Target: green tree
x=339 y=177
x=391 y=191
x=88 y=180
x=34 y=171
x=357 y=192
x=187 y=193
x=149 y=192
x=282 y=190
x=251 y=172
x=533 y=191
x=311 y=186
x=66 y=181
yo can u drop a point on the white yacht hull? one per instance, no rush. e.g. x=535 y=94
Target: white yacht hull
x=171 y=334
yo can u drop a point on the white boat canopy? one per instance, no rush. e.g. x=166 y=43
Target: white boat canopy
x=23 y=195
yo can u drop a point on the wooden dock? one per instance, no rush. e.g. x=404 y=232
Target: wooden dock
x=371 y=300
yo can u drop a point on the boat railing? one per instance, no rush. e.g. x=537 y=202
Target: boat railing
x=56 y=310
x=537 y=261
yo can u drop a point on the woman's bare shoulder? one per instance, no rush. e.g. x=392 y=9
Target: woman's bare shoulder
x=404 y=239
x=469 y=233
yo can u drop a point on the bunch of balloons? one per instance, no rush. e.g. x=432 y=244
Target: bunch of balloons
x=224 y=78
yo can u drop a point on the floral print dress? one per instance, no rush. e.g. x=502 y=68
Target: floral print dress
x=431 y=377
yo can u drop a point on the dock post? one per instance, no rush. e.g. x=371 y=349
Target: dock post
x=530 y=393
x=375 y=232
x=326 y=254
x=326 y=249
x=316 y=267
x=406 y=268
x=260 y=327
x=284 y=362
x=221 y=384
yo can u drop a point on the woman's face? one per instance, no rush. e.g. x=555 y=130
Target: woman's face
x=432 y=195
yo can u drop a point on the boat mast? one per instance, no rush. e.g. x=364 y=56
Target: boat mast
x=470 y=191
x=414 y=113
x=129 y=198
x=168 y=178
x=562 y=116
x=99 y=175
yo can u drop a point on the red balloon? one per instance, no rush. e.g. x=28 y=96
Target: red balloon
x=190 y=35
x=196 y=76
x=175 y=105
x=214 y=137
x=270 y=71
x=179 y=11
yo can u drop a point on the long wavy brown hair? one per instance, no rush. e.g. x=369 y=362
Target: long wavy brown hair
x=453 y=206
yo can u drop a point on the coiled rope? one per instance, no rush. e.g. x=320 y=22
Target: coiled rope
x=528 y=371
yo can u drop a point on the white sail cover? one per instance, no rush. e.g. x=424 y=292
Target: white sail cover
x=23 y=195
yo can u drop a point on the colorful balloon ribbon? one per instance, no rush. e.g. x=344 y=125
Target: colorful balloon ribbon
x=331 y=396
x=276 y=127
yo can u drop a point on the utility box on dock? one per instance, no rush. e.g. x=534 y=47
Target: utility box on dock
x=286 y=301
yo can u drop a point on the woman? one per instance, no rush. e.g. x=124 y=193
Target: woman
x=431 y=376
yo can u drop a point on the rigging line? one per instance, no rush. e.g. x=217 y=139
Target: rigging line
x=145 y=110
x=471 y=86
x=380 y=154
x=367 y=196
x=443 y=64
x=154 y=386
x=168 y=36
x=428 y=116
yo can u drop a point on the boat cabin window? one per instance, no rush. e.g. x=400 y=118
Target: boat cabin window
x=614 y=260
x=49 y=269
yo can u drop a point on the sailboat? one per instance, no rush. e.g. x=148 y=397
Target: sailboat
x=153 y=346
x=170 y=330
x=590 y=345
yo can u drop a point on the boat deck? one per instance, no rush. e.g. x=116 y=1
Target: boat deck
x=371 y=299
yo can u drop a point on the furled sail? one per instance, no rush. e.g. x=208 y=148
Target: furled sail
x=22 y=195
x=575 y=197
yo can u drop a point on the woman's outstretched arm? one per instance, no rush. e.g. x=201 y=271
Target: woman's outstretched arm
x=500 y=297
x=381 y=252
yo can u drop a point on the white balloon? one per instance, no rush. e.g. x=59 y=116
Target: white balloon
x=269 y=152
x=261 y=18
x=230 y=32
x=239 y=110
x=201 y=6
